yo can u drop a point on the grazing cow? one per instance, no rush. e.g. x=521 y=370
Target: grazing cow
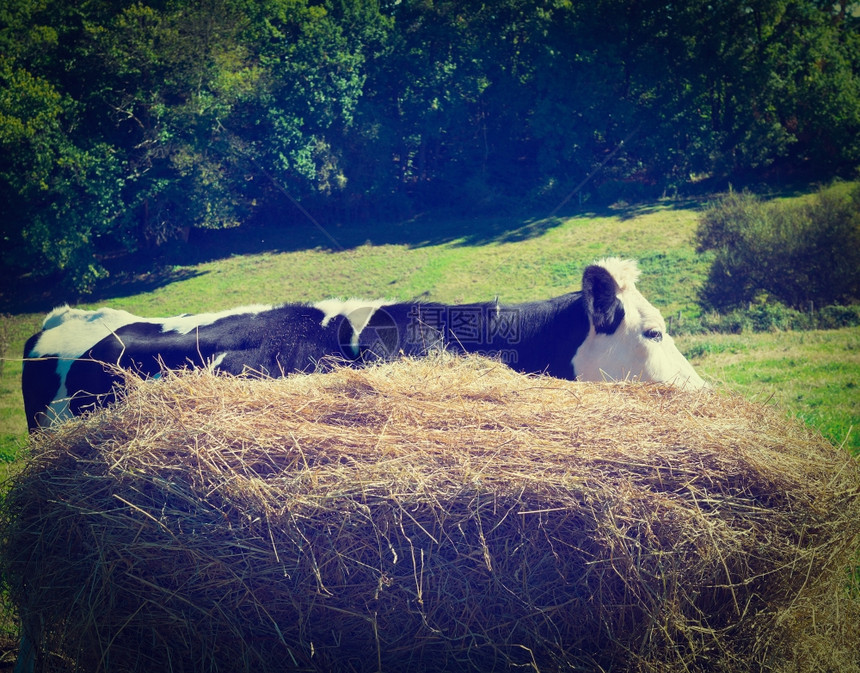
x=606 y=331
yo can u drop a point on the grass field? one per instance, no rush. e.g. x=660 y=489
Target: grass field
x=812 y=374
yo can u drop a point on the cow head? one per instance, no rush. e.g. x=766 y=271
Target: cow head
x=627 y=336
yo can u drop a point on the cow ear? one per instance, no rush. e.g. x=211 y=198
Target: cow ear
x=600 y=291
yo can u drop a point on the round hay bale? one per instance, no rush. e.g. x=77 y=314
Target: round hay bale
x=443 y=514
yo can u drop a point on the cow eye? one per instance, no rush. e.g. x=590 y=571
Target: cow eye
x=653 y=335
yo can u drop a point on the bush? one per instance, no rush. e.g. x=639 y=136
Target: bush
x=798 y=254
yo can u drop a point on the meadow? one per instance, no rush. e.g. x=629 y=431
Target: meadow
x=812 y=374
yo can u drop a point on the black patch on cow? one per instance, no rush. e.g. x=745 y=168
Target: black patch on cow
x=39 y=382
x=378 y=340
x=90 y=384
x=381 y=337
x=533 y=337
x=599 y=290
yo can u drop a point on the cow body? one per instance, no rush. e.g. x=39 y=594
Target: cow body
x=608 y=330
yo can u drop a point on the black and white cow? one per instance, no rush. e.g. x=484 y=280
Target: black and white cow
x=608 y=331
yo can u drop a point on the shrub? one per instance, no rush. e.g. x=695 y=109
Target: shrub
x=799 y=254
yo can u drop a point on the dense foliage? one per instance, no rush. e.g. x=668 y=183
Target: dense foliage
x=127 y=122
x=801 y=254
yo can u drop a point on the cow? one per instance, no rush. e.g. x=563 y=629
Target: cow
x=606 y=331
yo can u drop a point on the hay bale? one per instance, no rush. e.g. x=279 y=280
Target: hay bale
x=434 y=515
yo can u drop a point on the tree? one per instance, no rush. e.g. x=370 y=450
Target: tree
x=58 y=197
x=814 y=83
x=173 y=82
x=135 y=120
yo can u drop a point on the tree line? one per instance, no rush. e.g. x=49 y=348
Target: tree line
x=125 y=123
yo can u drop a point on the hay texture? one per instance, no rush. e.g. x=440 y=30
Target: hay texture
x=443 y=514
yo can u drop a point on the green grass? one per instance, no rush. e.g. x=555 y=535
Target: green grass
x=13 y=427
x=814 y=375
x=514 y=259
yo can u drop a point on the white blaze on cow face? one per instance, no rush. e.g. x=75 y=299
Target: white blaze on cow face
x=627 y=336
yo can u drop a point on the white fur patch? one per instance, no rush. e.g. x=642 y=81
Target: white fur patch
x=183 y=324
x=215 y=362
x=625 y=271
x=69 y=333
x=64 y=314
x=71 y=341
x=357 y=311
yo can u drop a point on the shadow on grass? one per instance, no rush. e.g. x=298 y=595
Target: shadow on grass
x=144 y=271
x=433 y=228
x=29 y=295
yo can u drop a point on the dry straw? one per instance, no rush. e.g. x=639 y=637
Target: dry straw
x=436 y=515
